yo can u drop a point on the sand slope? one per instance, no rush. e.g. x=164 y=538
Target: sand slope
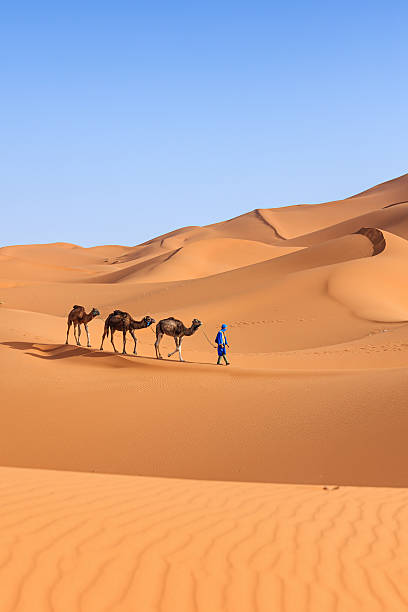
x=293 y=413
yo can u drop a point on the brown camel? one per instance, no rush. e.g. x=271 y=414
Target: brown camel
x=175 y=328
x=122 y=321
x=79 y=317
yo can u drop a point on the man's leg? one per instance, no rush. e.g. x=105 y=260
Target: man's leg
x=225 y=359
x=219 y=360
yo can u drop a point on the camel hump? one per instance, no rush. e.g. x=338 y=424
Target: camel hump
x=76 y=306
x=120 y=313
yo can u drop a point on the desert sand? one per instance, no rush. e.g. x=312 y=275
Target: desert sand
x=130 y=483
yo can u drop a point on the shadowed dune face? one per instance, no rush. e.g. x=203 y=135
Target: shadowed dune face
x=375 y=236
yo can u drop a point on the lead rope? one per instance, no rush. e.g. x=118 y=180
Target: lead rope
x=208 y=340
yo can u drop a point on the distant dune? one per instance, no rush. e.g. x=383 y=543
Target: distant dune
x=210 y=487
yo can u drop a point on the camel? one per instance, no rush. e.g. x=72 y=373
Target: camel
x=122 y=321
x=175 y=328
x=78 y=317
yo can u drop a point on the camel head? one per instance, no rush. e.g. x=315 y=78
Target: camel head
x=195 y=324
x=145 y=322
x=95 y=312
x=148 y=320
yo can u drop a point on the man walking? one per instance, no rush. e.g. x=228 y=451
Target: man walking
x=222 y=342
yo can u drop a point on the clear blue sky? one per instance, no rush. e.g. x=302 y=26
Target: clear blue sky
x=123 y=120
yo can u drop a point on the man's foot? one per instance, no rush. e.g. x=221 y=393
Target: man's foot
x=228 y=363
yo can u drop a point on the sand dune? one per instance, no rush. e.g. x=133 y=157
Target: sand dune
x=53 y=262
x=288 y=292
x=393 y=219
x=291 y=221
x=315 y=394
x=378 y=292
x=394 y=190
x=195 y=261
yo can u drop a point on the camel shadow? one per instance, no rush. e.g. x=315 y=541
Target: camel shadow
x=54 y=351
x=166 y=359
x=67 y=351
x=153 y=358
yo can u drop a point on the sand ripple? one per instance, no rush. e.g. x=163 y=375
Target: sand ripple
x=96 y=543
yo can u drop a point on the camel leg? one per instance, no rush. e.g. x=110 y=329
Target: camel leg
x=132 y=333
x=105 y=331
x=124 y=342
x=87 y=335
x=69 y=326
x=157 y=345
x=177 y=348
x=79 y=335
x=112 y=332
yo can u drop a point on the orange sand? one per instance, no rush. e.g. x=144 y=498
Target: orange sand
x=97 y=543
x=316 y=394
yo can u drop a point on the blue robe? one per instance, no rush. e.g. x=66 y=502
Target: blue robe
x=221 y=340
